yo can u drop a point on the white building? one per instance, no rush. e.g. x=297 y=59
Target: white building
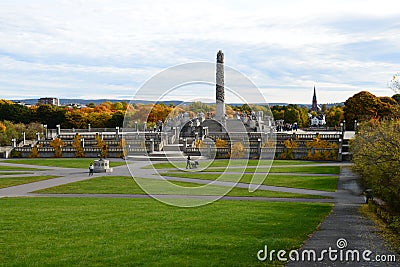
x=317 y=121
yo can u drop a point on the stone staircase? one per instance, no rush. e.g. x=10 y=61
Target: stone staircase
x=170 y=153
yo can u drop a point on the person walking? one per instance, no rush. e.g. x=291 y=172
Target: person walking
x=188 y=162
x=91 y=169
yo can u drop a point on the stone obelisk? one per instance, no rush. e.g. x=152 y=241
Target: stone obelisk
x=220 y=94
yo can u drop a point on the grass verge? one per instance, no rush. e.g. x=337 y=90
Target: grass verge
x=12 y=181
x=297 y=169
x=127 y=185
x=16 y=168
x=64 y=163
x=12 y=173
x=235 y=162
x=323 y=183
x=388 y=234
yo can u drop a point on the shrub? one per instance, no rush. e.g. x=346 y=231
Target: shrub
x=376 y=153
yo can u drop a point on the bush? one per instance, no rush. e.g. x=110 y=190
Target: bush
x=376 y=153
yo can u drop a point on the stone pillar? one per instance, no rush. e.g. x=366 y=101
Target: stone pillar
x=88 y=127
x=184 y=144
x=14 y=142
x=45 y=131
x=38 y=136
x=116 y=133
x=151 y=146
x=220 y=93
x=58 y=129
x=23 y=140
x=83 y=142
x=259 y=147
x=144 y=126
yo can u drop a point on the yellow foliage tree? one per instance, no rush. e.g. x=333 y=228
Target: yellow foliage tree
x=3 y=128
x=219 y=143
x=289 y=144
x=79 y=151
x=237 y=151
x=321 y=150
x=57 y=144
x=122 y=144
x=100 y=143
x=34 y=152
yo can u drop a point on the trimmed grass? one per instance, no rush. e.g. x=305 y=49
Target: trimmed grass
x=62 y=162
x=298 y=169
x=126 y=185
x=12 y=181
x=12 y=173
x=236 y=162
x=144 y=232
x=323 y=183
x=16 y=168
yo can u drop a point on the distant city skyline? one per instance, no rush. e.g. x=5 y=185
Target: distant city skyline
x=108 y=49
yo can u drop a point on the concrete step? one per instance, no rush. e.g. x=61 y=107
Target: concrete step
x=173 y=147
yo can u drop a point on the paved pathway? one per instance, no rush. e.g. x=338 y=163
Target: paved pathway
x=347 y=222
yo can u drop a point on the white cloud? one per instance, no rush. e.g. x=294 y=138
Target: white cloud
x=103 y=48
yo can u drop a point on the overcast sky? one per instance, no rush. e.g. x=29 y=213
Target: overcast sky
x=107 y=49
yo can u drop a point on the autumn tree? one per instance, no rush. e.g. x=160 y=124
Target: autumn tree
x=50 y=115
x=57 y=144
x=376 y=153
x=334 y=116
x=14 y=112
x=116 y=120
x=100 y=143
x=77 y=119
x=122 y=145
x=237 y=151
x=364 y=106
x=79 y=151
x=397 y=98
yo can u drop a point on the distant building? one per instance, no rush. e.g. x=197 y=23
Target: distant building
x=75 y=106
x=48 y=100
x=314 y=106
x=317 y=121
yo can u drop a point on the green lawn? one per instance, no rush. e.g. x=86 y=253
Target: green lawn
x=62 y=162
x=12 y=173
x=16 y=168
x=324 y=183
x=144 y=232
x=297 y=169
x=12 y=181
x=126 y=185
x=236 y=162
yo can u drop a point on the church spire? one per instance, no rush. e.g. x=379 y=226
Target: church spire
x=314 y=106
